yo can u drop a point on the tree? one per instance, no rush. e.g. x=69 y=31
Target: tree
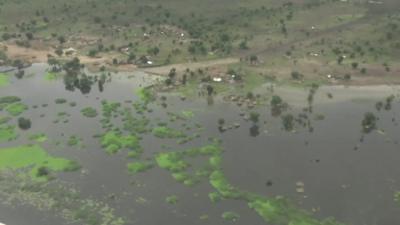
x=354 y=65
x=29 y=35
x=24 y=124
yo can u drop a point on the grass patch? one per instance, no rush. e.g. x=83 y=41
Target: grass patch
x=230 y=216
x=51 y=76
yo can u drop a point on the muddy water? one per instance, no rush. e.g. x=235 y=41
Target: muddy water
x=354 y=185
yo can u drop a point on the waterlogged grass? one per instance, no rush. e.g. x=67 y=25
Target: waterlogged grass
x=51 y=76
x=9 y=99
x=38 y=137
x=16 y=109
x=7 y=133
x=173 y=199
x=145 y=95
x=34 y=157
x=230 y=216
x=166 y=132
x=138 y=167
x=277 y=210
x=57 y=198
x=89 y=112
x=4 y=80
x=113 y=142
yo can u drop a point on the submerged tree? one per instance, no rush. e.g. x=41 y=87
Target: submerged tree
x=24 y=124
x=369 y=122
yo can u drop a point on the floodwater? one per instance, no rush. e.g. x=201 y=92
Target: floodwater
x=347 y=175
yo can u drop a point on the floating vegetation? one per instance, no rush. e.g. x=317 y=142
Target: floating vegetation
x=145 y=95
x=173 y=199
x=51 y=76
x=166 y=132
x=230 y=216
x=114 y=142
x=187 y=114
x=15 y=109
x=60 y=101
x=73 y=141
x=9 y=99
x=34 y=157
x=61 y=199
x=7 y=133
x=89 y=112
x=138 y=167
x=4 y=80
x=38 y=137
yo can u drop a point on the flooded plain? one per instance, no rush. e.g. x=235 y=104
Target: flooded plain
x=325 y=164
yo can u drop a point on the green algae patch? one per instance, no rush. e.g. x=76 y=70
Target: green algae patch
x=16 y=109
x=230 y=216
x=73 y=141
x=89 y=112
x=224 y=188
x=114 y=142
x=4 y=80
x=38 y=137
x=7 y=133
x=172 y=199
x=138 y=167
x=166 y=132
x=33 y=156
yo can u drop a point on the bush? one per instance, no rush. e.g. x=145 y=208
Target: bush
x=24 y=123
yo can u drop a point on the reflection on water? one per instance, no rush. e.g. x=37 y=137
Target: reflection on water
x=306 y=155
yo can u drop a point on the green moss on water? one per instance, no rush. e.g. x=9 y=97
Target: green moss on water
x=173 y=199
x=89 y=112
x=166 y=132
x=113 y=142
x=16 y=109
x=38 y=138
x=4 y=80
x=7 y=133
x=230 y=216
x=138 y=167
x=34 y=157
